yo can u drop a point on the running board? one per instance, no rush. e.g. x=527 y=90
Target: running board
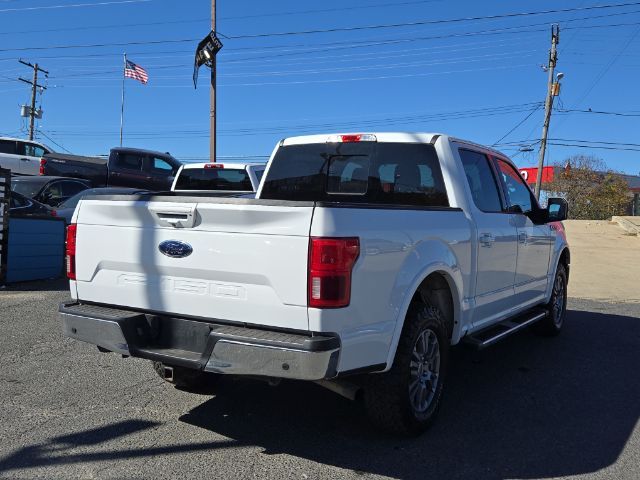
x=495 y=333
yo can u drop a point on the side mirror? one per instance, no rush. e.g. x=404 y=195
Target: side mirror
x=558 y=209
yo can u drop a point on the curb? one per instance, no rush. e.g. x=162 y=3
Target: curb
x=626 y=225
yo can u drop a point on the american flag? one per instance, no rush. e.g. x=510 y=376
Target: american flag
x=136 y=72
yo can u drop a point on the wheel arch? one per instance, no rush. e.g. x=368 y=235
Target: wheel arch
x=562 y=257
x=440 y=286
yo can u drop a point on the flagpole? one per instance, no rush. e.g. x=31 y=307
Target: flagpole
x=122 y=105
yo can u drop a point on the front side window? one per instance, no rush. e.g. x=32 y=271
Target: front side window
x=52 y=194
x=160 y=165
x=481 y=180
x=516 y=190
x=31 y=150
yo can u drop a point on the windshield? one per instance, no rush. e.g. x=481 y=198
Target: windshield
x=214 y=179
x=28 y=188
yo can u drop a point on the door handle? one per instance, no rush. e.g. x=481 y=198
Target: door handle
x=522 y=238
x=486 y=239
x=25 y=160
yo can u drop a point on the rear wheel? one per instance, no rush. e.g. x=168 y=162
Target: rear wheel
x=551 y=325
x=186 y=378
x=406 y=399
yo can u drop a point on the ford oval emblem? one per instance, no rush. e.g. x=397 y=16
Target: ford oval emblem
x=175 y=249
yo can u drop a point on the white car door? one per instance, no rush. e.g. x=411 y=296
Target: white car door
x=534 y=240
x=30 y=155
x=496 y=245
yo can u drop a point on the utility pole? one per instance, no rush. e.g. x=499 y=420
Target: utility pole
x=212 y=111
x=548 y=104
x=34 y=87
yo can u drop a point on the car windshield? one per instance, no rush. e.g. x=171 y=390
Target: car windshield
x=214 y=178
x=26 y=187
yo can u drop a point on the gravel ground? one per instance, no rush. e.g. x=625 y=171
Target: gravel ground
x=526 y=408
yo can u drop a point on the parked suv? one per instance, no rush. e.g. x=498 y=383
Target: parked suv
x=22 y=157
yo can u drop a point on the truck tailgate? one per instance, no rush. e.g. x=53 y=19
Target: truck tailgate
x=248 y=262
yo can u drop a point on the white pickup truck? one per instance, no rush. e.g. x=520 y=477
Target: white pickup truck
x=361 y=260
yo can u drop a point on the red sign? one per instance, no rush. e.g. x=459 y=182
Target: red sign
x=530 y=174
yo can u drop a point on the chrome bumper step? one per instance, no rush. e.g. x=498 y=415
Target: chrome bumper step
x=497 y=332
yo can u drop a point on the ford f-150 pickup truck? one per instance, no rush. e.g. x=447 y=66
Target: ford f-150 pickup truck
x=125 y=167
x=361 y=261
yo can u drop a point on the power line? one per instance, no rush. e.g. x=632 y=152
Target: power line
x=618 y=114
x=598 y=147
x=77 y=5
x=408 y=24
x=431 y=22
x=534 y=110
x=52 y=141
x=328 y=10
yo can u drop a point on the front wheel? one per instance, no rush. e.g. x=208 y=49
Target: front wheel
x=551 y=325
x=405 y=400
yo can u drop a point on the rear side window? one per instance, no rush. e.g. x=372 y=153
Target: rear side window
x=380 y=173
x=214 y=179
x=129 y=161
x=8 y=146
x=482 y=181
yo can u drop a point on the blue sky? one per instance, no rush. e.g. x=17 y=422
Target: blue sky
x=476 y=79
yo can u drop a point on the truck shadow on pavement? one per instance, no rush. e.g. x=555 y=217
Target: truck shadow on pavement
x=527 y=408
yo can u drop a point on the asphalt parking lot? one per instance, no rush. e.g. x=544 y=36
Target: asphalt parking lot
x=527 y=408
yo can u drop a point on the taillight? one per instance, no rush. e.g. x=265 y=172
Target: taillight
x=43 y=162
x=214 y=165
x=330 y=263
x=70 y=251
x=352 y=138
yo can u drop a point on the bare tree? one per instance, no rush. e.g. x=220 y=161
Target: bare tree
x=593 y=191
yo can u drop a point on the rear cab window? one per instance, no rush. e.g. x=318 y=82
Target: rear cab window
x=374 y=173
x=214 y=178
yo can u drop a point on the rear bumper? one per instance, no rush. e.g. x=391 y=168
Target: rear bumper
x=203 y=345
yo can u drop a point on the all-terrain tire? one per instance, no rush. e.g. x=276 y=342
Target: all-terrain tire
x=188 y=379
x=388 y=397
x=551 y=325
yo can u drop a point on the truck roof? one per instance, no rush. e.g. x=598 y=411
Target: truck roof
x=385 y=137
x=14 y=139
x=238 y=166
x=141 y=150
